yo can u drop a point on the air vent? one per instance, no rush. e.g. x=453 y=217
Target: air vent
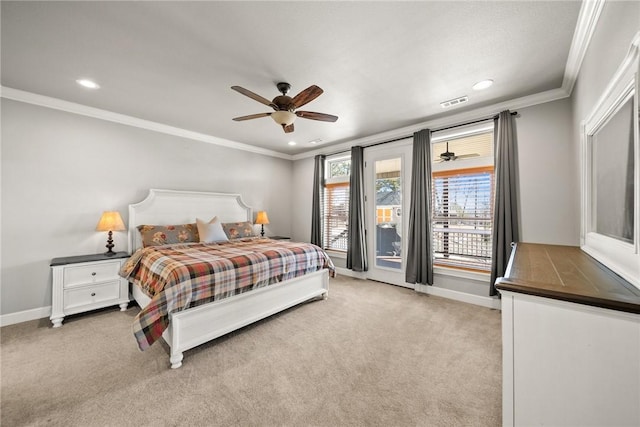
x=452 y=102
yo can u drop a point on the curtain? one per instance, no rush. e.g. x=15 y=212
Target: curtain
x=356 y=242
x=505 y=213
x=316 y=204
x=419 y=253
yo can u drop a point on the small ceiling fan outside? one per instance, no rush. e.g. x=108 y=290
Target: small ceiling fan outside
x=449 y=155
x=285 y=107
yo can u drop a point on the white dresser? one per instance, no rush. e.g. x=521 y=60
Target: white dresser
x=87 y=282
x=571 y=341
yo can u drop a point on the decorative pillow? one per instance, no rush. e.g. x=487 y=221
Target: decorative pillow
x=237 y=230
x=211 y=231
x=156 y=235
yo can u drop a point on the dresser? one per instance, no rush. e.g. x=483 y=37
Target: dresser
x=87 y=282
x=571 y=340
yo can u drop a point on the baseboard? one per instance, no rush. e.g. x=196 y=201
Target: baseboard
x=355 y=274
x=25 y=316
x=488 y=302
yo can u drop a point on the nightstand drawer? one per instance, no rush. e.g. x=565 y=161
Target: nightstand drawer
x=90 y=295
x=91 y=273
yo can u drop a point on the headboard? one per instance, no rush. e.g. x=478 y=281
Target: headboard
x=168 y=207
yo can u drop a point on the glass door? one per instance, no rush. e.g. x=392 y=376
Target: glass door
x=387 y=171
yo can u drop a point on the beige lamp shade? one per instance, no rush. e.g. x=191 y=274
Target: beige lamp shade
x=284 y=118
x=110 y=221
x=262 y=218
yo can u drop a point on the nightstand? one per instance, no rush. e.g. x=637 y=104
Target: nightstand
x=87 y=282
x=279 y=237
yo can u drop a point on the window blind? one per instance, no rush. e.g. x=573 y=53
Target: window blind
x=336 y=211
x=462 y=203
x=480 y=145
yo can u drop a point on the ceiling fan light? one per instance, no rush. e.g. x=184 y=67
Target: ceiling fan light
x=283 y=118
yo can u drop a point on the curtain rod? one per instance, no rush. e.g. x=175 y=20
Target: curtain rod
x=513 y=113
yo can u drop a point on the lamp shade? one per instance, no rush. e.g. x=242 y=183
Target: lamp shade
x=110 y=221
x=284 y=118
x=262 y=218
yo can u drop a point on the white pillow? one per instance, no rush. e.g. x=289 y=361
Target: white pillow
x=211 y=231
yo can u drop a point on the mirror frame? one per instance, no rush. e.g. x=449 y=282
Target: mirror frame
x=620 y=256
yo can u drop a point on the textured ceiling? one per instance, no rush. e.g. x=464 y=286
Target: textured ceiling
x=382 y=65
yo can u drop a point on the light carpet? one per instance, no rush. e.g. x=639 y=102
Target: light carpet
x=370 y=355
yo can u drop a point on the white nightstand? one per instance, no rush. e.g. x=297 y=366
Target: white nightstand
x=87 y=282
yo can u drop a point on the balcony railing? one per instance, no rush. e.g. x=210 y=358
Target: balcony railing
x=467 y=244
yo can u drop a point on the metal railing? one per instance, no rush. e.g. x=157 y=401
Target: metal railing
x=468 y=244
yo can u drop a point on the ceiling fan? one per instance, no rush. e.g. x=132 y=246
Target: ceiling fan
x=285 y=107
x=449 y=155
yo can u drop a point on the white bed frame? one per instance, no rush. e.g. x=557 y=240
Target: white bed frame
x=192 y=327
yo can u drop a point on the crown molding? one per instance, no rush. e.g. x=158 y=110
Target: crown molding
x=97 y=113
x=475 y=114
x=585 y=27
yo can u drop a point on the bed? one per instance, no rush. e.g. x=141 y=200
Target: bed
x=189 y=327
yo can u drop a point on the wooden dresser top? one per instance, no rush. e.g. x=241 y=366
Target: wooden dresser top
x=567 y=273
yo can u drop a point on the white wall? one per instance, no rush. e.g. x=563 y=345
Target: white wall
x=61 y=170
x=549 y=185
x=301 y=199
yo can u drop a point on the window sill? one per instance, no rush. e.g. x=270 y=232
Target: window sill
x=465 y=274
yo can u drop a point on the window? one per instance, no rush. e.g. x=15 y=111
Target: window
x=462 y=202
x=336 y=203
x=384 y=215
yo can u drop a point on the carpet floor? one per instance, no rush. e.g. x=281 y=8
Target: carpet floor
x=370 y=355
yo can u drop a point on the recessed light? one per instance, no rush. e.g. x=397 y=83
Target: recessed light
x=316 y=141
x=291 y=143
x=89 y=84
x=482 y=84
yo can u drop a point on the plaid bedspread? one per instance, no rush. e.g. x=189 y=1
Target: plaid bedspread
x=180 y=276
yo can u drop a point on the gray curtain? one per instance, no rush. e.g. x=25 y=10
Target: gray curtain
x=505 y=213
x=356 y=243
x=419 y=253
x=317 y=203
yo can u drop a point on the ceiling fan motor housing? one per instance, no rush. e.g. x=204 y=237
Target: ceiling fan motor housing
x=283 y=102
x=283 y=87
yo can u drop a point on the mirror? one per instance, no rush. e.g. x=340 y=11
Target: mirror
x=610 y=154
x=612 y=172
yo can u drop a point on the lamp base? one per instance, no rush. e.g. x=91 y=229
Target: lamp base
x=110 y=245
x=262 y=231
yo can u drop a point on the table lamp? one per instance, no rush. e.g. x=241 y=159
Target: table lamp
x=262 y=219
x=110 y=221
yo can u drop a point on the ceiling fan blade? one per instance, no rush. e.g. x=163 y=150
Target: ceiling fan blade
x=462 y=156
x=251 y=116
x=254 y=96
x=306 y=96
x=316 y=116
x=288 y=129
